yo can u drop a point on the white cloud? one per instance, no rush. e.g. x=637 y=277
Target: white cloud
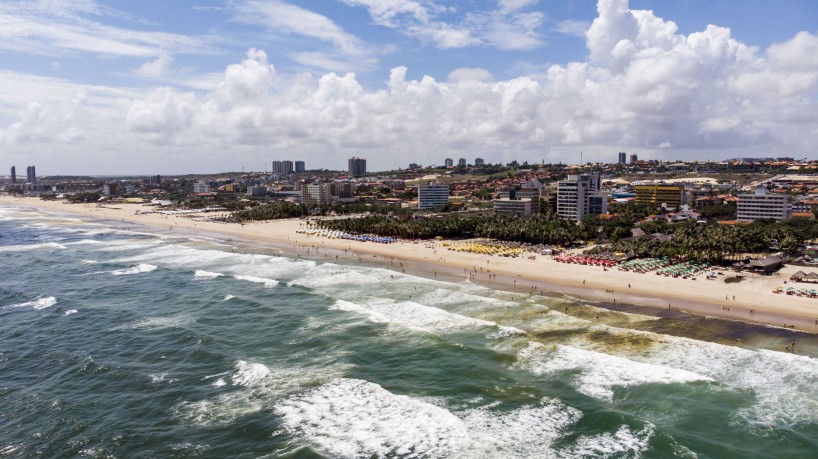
x=645 y=89
x=572 y=27
x=505 y=28
x=470 y=74
x=279 y=16
x=57 y=28
x=155 y=68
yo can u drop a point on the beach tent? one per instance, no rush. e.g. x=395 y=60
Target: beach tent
x=813 y=277
x=800 y=275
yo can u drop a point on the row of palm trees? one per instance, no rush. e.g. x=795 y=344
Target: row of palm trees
x=713 y=243
x=533 y=230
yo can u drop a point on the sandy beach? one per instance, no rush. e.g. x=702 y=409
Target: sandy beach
x=752 y=299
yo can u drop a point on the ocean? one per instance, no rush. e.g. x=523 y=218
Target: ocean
x=128 y=343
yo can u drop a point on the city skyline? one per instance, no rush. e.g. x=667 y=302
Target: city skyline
x=101 y=88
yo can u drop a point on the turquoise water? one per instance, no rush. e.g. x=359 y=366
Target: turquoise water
x=122 y=343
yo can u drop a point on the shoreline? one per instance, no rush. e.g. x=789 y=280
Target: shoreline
x=710 y=298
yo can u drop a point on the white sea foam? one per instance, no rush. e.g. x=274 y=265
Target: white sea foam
x=248 y=374
x=202 y=274
x=354 y=418
x=39 y=303
x=160 y=323
x=268 y=283
x=228 y=297
x=27 y=247
x=783 y=384
x=70 y=312
x=158 y=377
x=622 y=443
x=525 y=432
x=251 y=393
x=599 y=373
x=138 y=269
x=84 y=241
x=413 y=315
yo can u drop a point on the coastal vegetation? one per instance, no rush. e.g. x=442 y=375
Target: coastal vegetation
x=713 y=243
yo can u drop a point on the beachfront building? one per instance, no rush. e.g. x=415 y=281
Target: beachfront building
x=519 y=206
x=357 y=166
x=300 y=166
x=672 y=196
x=461 y=162
x=433 y=196
x=581 y=195
x=13 y=174
x=762 y=205
x=622 y=157
x=479 y=162
x=448 y=162
x=31 y=174
x=317 y=194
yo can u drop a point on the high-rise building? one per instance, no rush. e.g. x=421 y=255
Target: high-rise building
x=634 y=158
x=300 y=166
x=448 y=162
x=277 y=168
x=13 y=174
x=286 y=167
x=461 y=162
x=414 y=166
x=317 y=194
x=660 y=193
x=622 y=157
x=581 y=195
x=357 y=166
x=433 y=196
x=31 y=174
x=762 y=205
x=479 y=162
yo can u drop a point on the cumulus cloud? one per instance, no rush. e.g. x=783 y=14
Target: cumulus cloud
x=645 y=88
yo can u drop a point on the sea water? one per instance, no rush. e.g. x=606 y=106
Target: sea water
x=125 y=343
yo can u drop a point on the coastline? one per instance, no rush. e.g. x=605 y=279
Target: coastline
x=433 y=260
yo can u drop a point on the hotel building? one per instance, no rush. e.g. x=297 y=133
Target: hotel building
x=762 y=205
x=581 y=195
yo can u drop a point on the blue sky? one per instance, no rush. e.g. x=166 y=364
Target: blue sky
x=110 y=87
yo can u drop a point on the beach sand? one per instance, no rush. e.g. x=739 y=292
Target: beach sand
x=526 y=276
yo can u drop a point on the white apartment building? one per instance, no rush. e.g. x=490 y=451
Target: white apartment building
x=433 y=196
x=762 y=205
x=317 y=194
x=581 y=195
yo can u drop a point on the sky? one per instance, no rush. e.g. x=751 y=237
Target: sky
x=205 y=86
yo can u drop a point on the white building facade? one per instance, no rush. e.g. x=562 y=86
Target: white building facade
x=762 y=205
x=581 y=195
x=433 y=196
